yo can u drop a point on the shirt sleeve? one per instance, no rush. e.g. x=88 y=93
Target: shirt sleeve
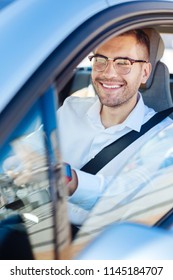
x=90 y=189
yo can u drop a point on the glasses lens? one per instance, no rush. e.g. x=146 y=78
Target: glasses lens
x=122 y=65
x=99 y=63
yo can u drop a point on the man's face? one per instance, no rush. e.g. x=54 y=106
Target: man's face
x=112 y=88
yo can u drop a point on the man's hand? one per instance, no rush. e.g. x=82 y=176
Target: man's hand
x=31 y=168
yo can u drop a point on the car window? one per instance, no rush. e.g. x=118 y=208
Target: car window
x=142 y=192
x=25 y=180
x=168 y=53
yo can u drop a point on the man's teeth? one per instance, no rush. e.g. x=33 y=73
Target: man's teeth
x=111 y=86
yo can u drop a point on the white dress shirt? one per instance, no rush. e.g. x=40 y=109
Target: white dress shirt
x=82 y=136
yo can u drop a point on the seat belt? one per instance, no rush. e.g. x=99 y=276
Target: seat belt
x=116 y=147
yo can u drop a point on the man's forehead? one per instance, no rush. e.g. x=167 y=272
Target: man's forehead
x=117 y=42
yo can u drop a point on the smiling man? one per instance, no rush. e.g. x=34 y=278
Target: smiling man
x=119 y=66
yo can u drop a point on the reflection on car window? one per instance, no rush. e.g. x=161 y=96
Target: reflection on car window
x=26 y=188
x=24 y=184
x=145 y=189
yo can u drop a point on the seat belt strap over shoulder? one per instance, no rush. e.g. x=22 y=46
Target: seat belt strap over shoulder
x=113 y=149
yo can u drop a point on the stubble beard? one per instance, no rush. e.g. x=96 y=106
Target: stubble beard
x=114 y=100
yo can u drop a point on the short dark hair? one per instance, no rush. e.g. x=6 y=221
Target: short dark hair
x=141 y=37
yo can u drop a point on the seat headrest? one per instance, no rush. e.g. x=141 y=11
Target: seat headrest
x=156 y=52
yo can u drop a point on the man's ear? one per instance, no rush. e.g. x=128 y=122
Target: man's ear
x=146 y=72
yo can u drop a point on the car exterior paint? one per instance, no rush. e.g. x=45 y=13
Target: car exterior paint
x=32 y=42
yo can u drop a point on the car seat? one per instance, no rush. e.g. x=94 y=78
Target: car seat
x=156 y=91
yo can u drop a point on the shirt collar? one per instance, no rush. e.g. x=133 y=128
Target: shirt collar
x=134 y=120
x=93 y=113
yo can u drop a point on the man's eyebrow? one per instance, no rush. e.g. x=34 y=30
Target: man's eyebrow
x=100 y=55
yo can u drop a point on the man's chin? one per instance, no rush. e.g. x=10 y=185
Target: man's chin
x=110 y=104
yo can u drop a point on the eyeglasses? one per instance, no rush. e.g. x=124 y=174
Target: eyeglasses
x=122 y=65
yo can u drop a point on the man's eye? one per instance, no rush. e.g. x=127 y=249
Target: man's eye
x=99 y=60
x=123 y=62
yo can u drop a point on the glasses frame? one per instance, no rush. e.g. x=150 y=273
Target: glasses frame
x=131 y=60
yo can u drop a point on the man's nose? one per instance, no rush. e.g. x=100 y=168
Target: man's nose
x=110 y=69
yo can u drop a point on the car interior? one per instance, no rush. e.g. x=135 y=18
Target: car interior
x=159 y=87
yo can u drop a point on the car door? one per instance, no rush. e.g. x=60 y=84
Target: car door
x=28 y=115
